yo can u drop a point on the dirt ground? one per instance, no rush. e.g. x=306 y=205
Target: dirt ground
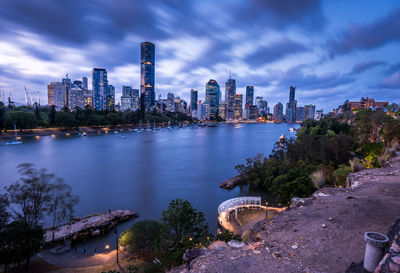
x=325 y=234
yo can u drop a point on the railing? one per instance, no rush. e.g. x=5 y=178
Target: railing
x=235 y=203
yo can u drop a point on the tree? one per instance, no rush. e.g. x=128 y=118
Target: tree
x=38 y=193
x=62 y=202
x=4 y=214
x=142 y=238
x=21 y=119
x=65 y=119
x=183 y=227
x=18 y=242
x=2 y=116
x=30 y=194
x=52 y=115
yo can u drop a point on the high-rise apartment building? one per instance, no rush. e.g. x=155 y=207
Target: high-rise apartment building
x=300 y=113
x=99 y=88
x=76 y=98
x=110 y=97
x=222 y=110
x=278 y=112
x=147 y=76
x=170 y=102
x=230 y=91
x=309 y=111
x=238 y=106
x=212 y=98
x=249 y=96
x=85 y=83
x=56 y=96
x=193 y=100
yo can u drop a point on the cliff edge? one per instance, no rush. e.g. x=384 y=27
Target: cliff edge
x=323 y=233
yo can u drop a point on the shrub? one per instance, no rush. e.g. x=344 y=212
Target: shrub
x=318 y=178
x=227 y=235
x=355 y=165
x=340 y=175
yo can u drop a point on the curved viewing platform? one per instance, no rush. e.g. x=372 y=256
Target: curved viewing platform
x=241 y=213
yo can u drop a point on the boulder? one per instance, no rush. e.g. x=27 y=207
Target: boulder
x=191 y=254
x=252 y=246
x=236 y=244
x=218 y=245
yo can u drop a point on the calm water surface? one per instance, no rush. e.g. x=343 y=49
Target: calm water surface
x=145 y=171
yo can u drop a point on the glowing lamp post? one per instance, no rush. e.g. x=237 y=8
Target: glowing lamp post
x=266 y=210
x=107 y=248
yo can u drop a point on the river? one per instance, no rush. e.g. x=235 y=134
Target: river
x=145 y=171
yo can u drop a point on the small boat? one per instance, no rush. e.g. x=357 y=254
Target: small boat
x=169 y=125
x=291 y=130
x=16 y=142
x=123 y=136
x=238 y=126
x=115 y=132
x=82 y=134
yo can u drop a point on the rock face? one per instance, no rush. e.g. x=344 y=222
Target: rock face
x=231 y=183
x=90 y=226
x=218 y=245
x=236 y=244
x=391 y=261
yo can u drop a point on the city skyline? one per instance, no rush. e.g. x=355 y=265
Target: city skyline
x=319 y=47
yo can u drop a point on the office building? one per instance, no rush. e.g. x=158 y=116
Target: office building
x=193 y=99
x=110 y=97
x=85 y=83
x=212 y=98
x=238 y=106
x=76 y=98
x=222 y=110
x=249 y=96
x=253 y=112
x=147 y=76
x=309 y=111
x=230 y=91
x=291 y=106
x=99 y=88
x=56 y=96
x=278 y=112
x=300 y=113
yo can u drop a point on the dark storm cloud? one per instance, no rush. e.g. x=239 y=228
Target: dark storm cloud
x=276 y=51
x=369 y=36
x=306 y=14
x=297 y=77
x=361 y=67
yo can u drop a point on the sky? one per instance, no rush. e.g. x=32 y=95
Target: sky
x=329 y=50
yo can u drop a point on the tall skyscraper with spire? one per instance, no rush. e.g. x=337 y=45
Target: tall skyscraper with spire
x=147 y=76
x=230 y=91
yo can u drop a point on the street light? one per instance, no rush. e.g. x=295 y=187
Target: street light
x=107 y=248
x=266 y=210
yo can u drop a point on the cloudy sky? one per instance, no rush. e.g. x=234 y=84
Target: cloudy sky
x=329 y=50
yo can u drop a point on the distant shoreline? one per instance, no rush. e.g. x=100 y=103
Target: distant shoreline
x=10 y=134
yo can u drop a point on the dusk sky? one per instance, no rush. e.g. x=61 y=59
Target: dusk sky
x=329 y=50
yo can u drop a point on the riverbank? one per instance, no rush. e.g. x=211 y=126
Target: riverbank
x=325 y=233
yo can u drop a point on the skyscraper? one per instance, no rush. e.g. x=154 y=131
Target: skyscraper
x=309 y=111
x=230 y=91
x=110 y=97
x=147 y=77
x=84 y=83
x=99 y=86
x=291 y=106
x=249 y=96
x=238 y=106
x=55 y=95
x=193 y=99
x=212 y=98
x=278 y=112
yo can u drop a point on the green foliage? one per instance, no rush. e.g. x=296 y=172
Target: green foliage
x=227 y=236
x=19 y=241
x=65 y=119
x=183 y=227
x=340 y=175
x=180 y=228
x=4 y=214
x=142 y=238
x=21 y=119
x=371 y=153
